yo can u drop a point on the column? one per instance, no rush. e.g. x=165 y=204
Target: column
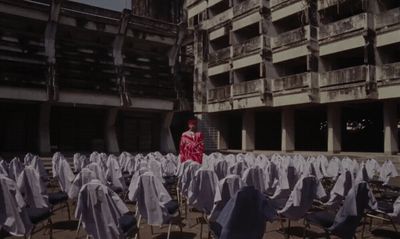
x=287 y=130
x=44 y=129
x=334 y=119
x=248 y=131
x=110 y=132
x=390 y=128
x=167 y=142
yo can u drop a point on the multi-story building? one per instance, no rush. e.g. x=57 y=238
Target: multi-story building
x=297 y=75
x=77 y=77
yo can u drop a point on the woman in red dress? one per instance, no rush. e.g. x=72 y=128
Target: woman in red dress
x=191 y=146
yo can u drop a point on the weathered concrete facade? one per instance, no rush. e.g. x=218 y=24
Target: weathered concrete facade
x=294 y=56
x=131 y=68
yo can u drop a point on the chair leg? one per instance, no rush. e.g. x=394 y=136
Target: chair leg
x=79 y=227
x=151 y=230
x=50 y=225
x=394 y=225
x=288 y=230
x=68 y=210
x=169 y=230
x=363 y=227
x=305 y=229
x=201 y=229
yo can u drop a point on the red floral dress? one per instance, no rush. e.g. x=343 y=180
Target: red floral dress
x=191 y=146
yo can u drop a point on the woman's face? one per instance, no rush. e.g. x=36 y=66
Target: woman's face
x=192 y=127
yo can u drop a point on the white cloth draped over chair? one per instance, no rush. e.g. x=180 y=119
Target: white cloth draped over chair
x=100 y=175
x=32 y=188
x=341 y=188
x=395 y=215
x=100 y=210
x=80 y=161
x=255 y=177
x=221 y=169
x=15 y=168
x=334 y=167
x=4 y=167
x=187 y=177
x=301 y=198
x=151 y=198
x=204 y=191
x=114 y=173
x=37 y=164
x=388 y=170
x=62 y=172
x=373 y=168
x=83 y=177
x=237 y=168
x=234 y=222
x=13 y=218
x=228 y=188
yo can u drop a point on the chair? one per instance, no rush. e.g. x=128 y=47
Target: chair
x=243 y=216
x=15 y=218
x=154 y=203
x=204 y=192
x=103 y=213
x=254 y=176
x=221 y=169
x=345 y=222
x=228 y=187
x=35 y=194
x=299 y=202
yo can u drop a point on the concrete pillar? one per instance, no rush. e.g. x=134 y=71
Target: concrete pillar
x=110 y=132
x=287 y=130
x=44 y=129
x=391 y=144
x=334 y=118
x=222 y=133
x=167 y=142
x=248 y=128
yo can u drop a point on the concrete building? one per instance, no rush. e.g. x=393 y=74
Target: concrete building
x=297 y=75
x=76 y=77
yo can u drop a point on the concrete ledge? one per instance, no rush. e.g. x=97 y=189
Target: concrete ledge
x=19 y=93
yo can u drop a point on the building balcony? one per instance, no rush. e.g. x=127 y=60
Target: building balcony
x=343 y=35
x=248 y=88
x=284 y=8
x=248 y=6
x=388 y=80
x=248 y=94
x=387 y=27
x=294 y=43
x=219 y=94
x=219 y=19
x=295 y=89
x=192 y=2
x=352 y=83
x=220 y=56
x=254 y=45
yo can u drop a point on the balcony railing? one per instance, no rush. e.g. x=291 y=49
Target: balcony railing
x=344 y=26
x=219 y=94
x=389 y=72
x=248 y=5
x=306 y=80
x=294 y=36
x=387 y=19
x=219 y=56
x=248 y=87
x=191 y=2
x=277 y=3
x=219 y=19
x=251 y=45
x=350 y=75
